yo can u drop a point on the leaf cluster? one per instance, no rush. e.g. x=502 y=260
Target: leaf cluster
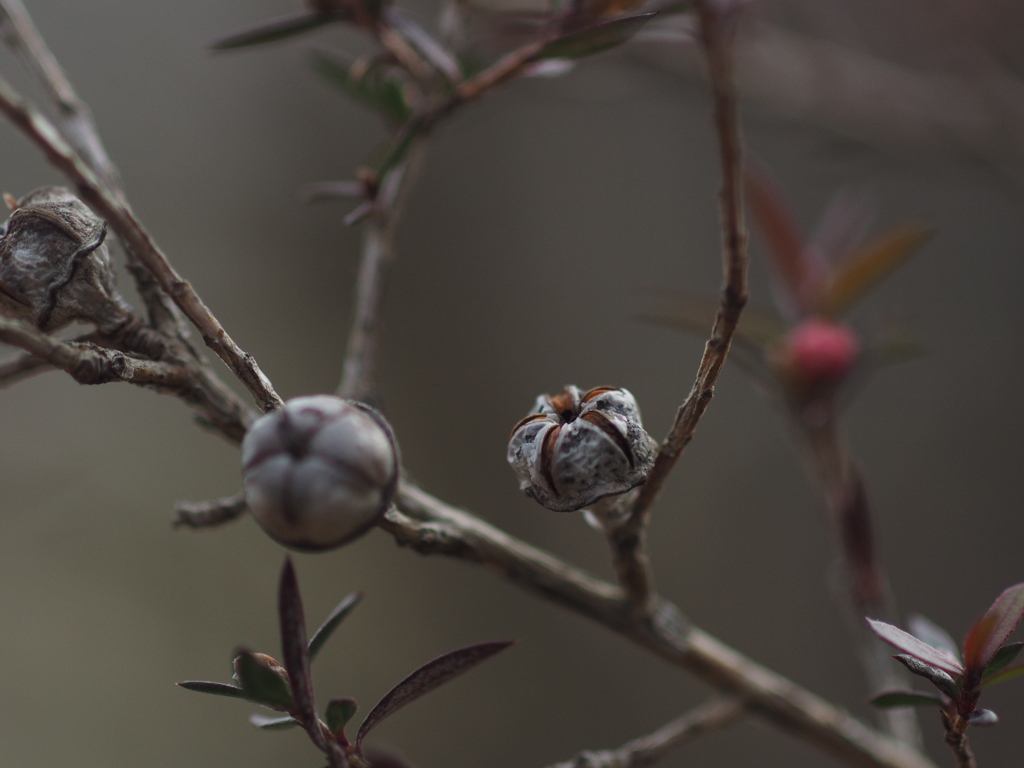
x=288 y=687
x=928 y=651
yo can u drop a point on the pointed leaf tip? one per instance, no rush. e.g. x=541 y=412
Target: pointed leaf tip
x=273 y=723
x=594 y=39
x=276 y=29
x=936 y=676
x=990 y=632
x=332 y=622
x=907 y=643
x=217 y=689
x=428 y=677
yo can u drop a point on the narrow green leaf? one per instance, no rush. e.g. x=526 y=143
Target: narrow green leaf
x=591 y=40
x=217 y=689
x=332 y=622
x=856 y=274
x=787 y=244
x=273 y=723
x=1002 y=677
x=428 y=677
x=380 y=91
x=1003 y=658
x=892 y=699
x=991 y=631
x=938 y=678
x=339 y=712
x=260 y=683
x=277 y=29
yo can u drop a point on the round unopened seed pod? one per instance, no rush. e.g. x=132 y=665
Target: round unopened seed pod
x=54 y=265
x=319 y=471
x=576 y=448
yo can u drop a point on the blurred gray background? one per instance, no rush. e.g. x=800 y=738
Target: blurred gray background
x=544 y=217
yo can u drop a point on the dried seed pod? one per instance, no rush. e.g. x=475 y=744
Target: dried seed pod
x=319 y=471
x=54 y=266
x=574 y=448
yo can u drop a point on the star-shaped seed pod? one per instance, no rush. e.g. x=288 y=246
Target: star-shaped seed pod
x=54 y=265
x=576 y=448
x=319 y=471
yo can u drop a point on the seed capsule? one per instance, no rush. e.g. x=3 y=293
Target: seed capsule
x=574 y=448
x=319 y=471
x=54 y=265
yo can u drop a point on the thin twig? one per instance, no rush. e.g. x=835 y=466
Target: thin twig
x=865 y=583
x=209 y=514
x=628 y=540
x=431 y=526
x=21 y=35
x=956 y=738
x=109 y=207
x=21 y=366
x=90 y=364
x=377 y=254
x=648 y=749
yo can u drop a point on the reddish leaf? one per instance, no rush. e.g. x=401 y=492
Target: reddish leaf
x=931 y=633
x=786 y=242
x=295 y=649
x=907 y=643
x=428 y=677
x=993 y=629
x=856 y=274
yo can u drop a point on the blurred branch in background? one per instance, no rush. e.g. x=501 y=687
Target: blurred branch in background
x=977 y=115
x=646 y=750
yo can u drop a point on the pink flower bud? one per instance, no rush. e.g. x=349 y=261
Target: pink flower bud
x=816 y=354
x=319 y=471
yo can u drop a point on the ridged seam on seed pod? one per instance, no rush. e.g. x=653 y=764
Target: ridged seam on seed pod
x=54 y=265
x=319 y=471
x=575 y=448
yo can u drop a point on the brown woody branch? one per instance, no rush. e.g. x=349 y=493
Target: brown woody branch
x=110 y=207
x=430 y=526
x=628 y=540
x=647 y=749
x=91 y=364
x=377 y=254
